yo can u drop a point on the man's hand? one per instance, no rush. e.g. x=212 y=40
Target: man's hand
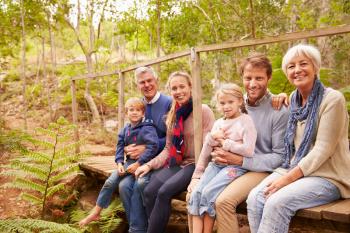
x=279 y=100
x=220 y=156
x=132 y=168
x=142 y=171
x=134 y=151
x=192 y=185
x=121 y=170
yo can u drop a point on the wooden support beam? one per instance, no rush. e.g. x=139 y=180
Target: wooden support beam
x=329 y=31
x=75 y=114
x=197 y=102
x=121 y=101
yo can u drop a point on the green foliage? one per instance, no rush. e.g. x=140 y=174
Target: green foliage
x=110 y=218
x=11 y=140
x=34 y=225
x=49 y=159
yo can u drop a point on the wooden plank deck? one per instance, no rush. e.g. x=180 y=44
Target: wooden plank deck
x=338 y=211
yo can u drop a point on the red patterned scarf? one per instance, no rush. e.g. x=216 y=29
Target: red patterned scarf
x=177 y=148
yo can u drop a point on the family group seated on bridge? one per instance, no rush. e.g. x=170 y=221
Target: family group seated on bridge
x=277 y=159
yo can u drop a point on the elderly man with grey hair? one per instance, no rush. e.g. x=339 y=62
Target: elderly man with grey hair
x=157 y=106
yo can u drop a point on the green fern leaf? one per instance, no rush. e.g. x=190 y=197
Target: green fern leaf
x=35 y=225
x=54 y=189
x=34 y=171
x=12 y=226
x=31 y=198
x=72 y=170
x=37 y=156
x=41 y=143
x=67 y=148
x=47 y=132
x=28 y=184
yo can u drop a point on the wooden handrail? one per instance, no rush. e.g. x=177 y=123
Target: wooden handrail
x=319 y=32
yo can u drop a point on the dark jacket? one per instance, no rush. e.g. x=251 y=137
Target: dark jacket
x=144 y=133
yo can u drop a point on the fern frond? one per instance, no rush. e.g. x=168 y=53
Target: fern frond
x=41 y=143
x=35 y=225
x=12 y=226
x=71 y=170
x=23 y=184
x=47 y=132
x=31 y=198
x=19 y=174
x=37 y=156
x=54 y=189
x=77 y=215
x=61 y=163
x=32 y=170
x=67 y=148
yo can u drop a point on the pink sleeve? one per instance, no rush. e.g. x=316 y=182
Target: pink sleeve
x=249 y=138
x=205 y=157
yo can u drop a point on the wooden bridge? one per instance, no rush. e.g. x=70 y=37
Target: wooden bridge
x=334 y=216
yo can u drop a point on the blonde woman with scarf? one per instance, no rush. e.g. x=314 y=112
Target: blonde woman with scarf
x=175 y=164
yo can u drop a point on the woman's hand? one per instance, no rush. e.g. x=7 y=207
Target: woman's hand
x=276 y=185
x=142 y=171
x=134 y=151
x=220 y=156
x=279 y=100
x=192 y=185
x=293 y=175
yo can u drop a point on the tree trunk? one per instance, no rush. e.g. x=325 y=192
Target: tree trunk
x=54 y=80
x=90 y=101
x=323 y=43
x=158 y=33
x=46 y=78
x=23 y=67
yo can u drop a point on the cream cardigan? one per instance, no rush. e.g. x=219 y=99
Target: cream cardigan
x=330 y=156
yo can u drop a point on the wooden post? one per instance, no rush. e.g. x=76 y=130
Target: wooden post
x=75 y=114
x=197 y=102
x=121 y=101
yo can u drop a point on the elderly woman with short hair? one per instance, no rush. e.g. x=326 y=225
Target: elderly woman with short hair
x=317 y=160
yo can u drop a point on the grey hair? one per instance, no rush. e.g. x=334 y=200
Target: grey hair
x=308 y=51
x=144 y=69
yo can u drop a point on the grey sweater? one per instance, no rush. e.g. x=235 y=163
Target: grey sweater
x=270 y=125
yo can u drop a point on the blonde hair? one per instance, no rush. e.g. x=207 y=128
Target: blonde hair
x=136 y=103
x=170 y=118
x=231 y=89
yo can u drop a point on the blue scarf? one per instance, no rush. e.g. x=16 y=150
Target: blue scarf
x=298 y=113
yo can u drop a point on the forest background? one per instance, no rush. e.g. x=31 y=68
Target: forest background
x=43 y=44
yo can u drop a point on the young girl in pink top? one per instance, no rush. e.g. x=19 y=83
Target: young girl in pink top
x=234 y=132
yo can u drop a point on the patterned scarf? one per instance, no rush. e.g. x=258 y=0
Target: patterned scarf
x=298 y=113
x=177 y=148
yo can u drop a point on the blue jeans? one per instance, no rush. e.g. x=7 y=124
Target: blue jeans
x=131 y=195
x=111 y=184
x=213 y=181
x=274 y=214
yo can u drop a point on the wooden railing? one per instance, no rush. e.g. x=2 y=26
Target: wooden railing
x=194 y=54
